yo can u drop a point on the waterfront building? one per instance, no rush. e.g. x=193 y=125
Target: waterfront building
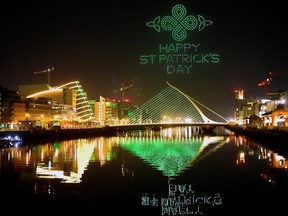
x=106 y=111
x=125 y=108
x=67 y=102
x=110 y=112
x=43 y=106
x=272 y=110
x=240 y=103
x=46 y=113
x=12 y=108
x=66 y=106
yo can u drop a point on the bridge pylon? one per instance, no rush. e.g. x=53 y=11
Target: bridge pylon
x=171 y=106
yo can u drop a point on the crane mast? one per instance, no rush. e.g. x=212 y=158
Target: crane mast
x=48 y=71
x=122 y=106
x=123 y=88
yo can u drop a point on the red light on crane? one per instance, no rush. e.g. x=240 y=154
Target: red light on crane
x=265 y=82
x=124 y=88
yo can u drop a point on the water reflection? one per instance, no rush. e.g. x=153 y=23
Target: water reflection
x=247 y=147
x=169 y=155
x=182 y=199
x=136 y=168
x=66 y=160
x=171 y=151
x=274 y=161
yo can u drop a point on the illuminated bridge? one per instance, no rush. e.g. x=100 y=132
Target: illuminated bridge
x=172 y=107
x=169 y=108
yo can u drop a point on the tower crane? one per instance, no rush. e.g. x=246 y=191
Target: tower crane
x=46 y=71
x=266 y=83
x=123 y=88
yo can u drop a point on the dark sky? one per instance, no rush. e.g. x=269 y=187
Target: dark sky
x=99 y=43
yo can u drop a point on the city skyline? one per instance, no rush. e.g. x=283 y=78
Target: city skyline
x=101 y=45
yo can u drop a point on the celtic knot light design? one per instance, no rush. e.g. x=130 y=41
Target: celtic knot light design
x=179 y=23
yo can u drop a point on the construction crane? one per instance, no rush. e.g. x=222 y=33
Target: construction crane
x=46 y=71
x=123 y=88
x=266 y=83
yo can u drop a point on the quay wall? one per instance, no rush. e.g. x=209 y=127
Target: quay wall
x=57 y=134
x=46 y=135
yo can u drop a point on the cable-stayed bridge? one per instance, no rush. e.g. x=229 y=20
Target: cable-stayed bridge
x=172 y=107
x=169 y=108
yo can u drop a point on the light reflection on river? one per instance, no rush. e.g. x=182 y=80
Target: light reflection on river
x=169 y=172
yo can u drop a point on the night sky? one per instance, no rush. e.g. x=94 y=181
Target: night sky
x=99 y=43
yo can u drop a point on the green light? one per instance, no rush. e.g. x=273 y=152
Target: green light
x=57 y=145
x=108 y=156
x=180 y=57
x=179 y=23
x=171 y=156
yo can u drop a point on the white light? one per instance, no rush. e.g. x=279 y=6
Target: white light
x=187 y=120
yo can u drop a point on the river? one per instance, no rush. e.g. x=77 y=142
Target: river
x=175 y=171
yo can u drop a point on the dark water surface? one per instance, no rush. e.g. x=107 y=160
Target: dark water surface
x=170 y=172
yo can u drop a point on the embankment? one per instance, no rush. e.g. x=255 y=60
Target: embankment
x=57 y=134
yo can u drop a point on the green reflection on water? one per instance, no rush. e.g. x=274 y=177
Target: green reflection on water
x=171 y=156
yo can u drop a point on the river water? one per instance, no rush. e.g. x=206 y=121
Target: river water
x=175 y=171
